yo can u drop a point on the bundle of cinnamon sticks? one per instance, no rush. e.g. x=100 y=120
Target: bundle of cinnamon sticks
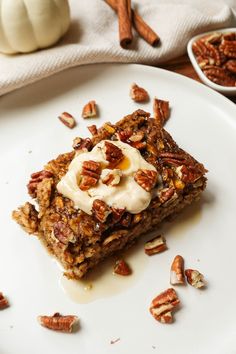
x=128 y=17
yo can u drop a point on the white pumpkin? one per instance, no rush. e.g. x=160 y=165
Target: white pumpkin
x=28 y=25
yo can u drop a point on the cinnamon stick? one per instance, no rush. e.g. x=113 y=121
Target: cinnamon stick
x=125 y=24
x=140 y=25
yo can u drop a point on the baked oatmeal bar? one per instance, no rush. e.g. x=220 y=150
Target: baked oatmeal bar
x=109 y=191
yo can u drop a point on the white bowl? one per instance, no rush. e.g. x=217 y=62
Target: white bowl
x=228 y=91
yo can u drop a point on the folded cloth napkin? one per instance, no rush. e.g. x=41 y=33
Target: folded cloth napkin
x=93 y=37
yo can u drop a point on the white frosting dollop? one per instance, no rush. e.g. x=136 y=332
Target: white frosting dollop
x=127 y=194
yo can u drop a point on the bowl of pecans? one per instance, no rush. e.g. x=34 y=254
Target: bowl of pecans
x=213 y=56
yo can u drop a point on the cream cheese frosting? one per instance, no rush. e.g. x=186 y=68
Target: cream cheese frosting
x=127 y=194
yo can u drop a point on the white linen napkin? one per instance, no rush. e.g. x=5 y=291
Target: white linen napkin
x=93 y=37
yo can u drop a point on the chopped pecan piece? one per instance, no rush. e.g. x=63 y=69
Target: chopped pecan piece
x=117 y=214
x=27 y=217
x=91 y=172
x=155 y=245
x=167 y=195
x=112 y=178
x=81 y=144
x=93 y=129
x=161 y=111
x=67 y=119
x=195 y=278
x=101 y=210
x=36 y=178
x=137 y=136
x=140 y=145
x=113 y=154
x=146 y=179
x=163 y=304
x=122 y=268
x=57 y=322
x=138 y=94
x=124 y=135
x=3 y=302
x=177 y=271
x=63 y=232
x=90 y=110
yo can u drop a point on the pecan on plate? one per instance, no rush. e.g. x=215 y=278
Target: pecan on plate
x=93 y=129
x=161 y=111
x=195 y=278
x=163 y=304
x=36 y=178
x=57 y=322
x=177 y=271
x=3 y=302
x=146 y=179
x=138 y=94
x=219 y=76
x=155 y=245
x=112 y=178
x=113 y=154
x=122 y=268
x=91 y=172
x=101 y=210
x=90 y=110
x=67 y=119
x=82 y=144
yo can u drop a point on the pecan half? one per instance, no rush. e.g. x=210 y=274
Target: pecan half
x=146 y=179
x=91 y=172
x=163 y=304
x=205 y=50
x=138 y=94
x=155 y=245
x=219 y=75
x=122 y=268
x=81 y=144
x=90 y=110
x=3 y=302
x=67 y=119
x=231 y=66
x=112 y=178
x=177 y=271
x=161 y=111
x=228 y=47
x=36 y=178
x=167 y=195
x=63 y=232
x=101 y=210
x=195 y=278
x=113 y=154
x=57 y=322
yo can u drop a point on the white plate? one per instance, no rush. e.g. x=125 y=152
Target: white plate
x=202 y=122
x=228 y=91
